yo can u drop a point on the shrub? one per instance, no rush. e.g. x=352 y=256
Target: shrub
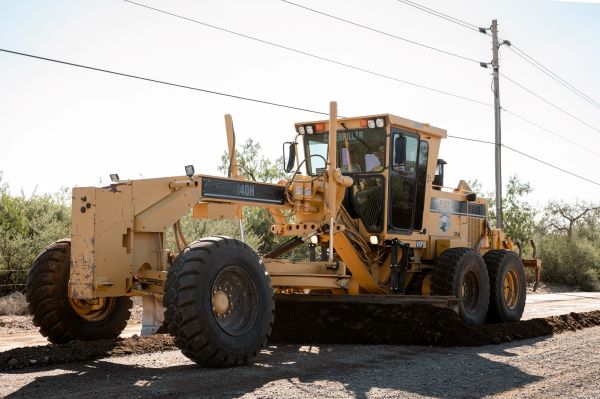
x=13 y=304
x=574 y=263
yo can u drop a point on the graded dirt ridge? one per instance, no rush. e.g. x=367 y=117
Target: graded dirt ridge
x=316 y=323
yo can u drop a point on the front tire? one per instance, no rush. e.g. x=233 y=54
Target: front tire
x=507 y=286
x=63 y=319
x=461 y=272
x=219 y=302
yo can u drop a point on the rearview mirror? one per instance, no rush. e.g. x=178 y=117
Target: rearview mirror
x=289 y=156
x=399 y=150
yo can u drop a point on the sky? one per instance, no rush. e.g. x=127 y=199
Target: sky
x=62 y=126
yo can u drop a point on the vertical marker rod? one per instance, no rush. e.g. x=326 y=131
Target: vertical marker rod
x=232 y=170
x=331 y=157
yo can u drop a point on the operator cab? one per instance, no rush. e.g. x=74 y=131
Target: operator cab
x=388 y=159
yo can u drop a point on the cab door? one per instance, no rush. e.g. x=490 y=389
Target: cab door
x=408 y=174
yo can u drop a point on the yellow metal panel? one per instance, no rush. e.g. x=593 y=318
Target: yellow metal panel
x=441 y=246
x=279 y=266
x=147 y=252
x=83 y=249
x=114 y=220
x=216 y=211
x=147 y=192
x=162 y=214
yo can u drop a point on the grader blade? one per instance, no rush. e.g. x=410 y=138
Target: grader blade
x=359 y=319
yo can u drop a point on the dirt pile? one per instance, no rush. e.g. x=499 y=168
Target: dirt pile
x=74 y=351
x=314 y=323
x=416 y=325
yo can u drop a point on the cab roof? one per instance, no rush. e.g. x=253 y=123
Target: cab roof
x=394 y=120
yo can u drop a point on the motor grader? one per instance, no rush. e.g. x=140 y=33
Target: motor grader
x=368 y=200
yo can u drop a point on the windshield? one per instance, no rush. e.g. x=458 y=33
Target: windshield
x=358 y=151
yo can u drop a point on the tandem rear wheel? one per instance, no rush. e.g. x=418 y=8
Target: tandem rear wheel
x=219 y=302
x=63 y=319
x=462 y=272
x=507 y=286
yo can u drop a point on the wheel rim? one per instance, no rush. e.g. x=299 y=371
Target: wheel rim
x=469 y=292
x=93 y=310
x=510 y=289
x=234 y=300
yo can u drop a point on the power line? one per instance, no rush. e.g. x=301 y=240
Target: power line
x=517 y=51
x=550 y=103
x=382 y=32
x=520 y=53
x=550 y=131
x=164 y=82
x=332 y=61
x=439 y=50
x=259 y=101
x=447 y=17
x=550 y=165
x=470 y=139
x=528 y=156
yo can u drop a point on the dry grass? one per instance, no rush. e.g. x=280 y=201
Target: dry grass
x=13 y=304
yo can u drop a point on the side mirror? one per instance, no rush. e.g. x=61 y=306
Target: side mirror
x=399 y=150
x=289 y=153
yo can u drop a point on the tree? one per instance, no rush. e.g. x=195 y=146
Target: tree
x=563 y=217
x=253 y=165
x=518 y=220
x=256 y=167
x=570 y=245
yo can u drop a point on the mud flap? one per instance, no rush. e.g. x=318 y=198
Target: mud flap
x=153 y=315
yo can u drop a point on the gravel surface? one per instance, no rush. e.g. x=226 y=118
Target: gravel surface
x=306 y=360
x=428 y=327
x=16 y=325
x=565 y=365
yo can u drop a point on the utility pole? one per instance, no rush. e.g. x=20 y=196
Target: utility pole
x=498 y=141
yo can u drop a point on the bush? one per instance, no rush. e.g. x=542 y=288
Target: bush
x=592 y=282
x=13 y=304
x=27 y=225
x=574 y=263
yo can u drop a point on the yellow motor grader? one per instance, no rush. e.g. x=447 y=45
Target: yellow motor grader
x=368 y=199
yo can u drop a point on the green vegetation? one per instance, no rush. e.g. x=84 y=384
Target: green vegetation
x=569 y=239
x=567 y=235
x=27 y=225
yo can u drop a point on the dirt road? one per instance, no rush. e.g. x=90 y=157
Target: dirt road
x=23 y=333
x=542 y=305
x=565 y=365
x=562 y=366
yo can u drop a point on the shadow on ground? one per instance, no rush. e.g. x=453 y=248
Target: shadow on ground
x=296 y=371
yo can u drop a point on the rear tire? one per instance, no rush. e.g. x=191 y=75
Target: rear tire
x=63 y=319
x=507 y=286
x=219 y=302
x=462 y=273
